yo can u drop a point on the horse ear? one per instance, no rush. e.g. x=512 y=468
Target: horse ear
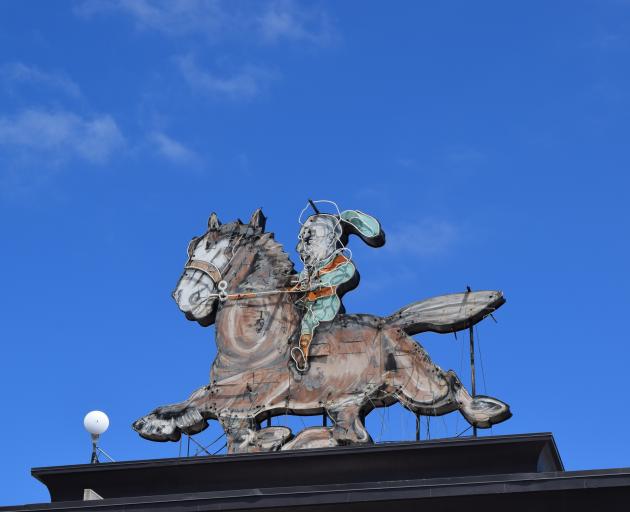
x=214 y=222
x=258 y=220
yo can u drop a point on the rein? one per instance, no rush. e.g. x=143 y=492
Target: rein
x=215 y=275
x=213 y=272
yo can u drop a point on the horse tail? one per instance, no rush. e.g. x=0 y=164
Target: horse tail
x=446 y=313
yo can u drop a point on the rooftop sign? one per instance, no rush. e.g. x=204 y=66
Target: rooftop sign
x=286 y=346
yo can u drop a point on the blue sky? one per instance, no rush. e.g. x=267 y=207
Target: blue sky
x=489 y=138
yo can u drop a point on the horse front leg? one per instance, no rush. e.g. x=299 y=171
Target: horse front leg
x=168 y=422
x=240 y=434
x=424 y=388
x=348 y=426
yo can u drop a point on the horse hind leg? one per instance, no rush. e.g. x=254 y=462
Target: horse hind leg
x=348 y=428
x=424 y=388
x=480 y=411
x=311 y=437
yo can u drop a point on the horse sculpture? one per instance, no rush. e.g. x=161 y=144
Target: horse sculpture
x=239 y=278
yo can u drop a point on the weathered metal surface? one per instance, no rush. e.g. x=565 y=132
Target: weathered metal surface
x=357 y=362
x=447 y=313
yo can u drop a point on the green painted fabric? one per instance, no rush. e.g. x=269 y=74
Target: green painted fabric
x=320 y=310
x=367 y=225
x=325 y=309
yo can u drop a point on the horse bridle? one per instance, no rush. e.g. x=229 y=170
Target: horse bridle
x=213 y=272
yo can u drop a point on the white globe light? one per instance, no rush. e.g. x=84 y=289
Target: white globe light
x=96 y=422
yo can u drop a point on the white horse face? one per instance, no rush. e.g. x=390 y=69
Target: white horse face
x=196 y=292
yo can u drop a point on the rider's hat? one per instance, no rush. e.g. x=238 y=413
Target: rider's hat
x=366 y=227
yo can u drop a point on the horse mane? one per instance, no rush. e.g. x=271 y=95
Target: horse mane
x=272 y=266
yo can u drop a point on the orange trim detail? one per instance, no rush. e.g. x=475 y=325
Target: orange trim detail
x=339 y=260
x=325 y=291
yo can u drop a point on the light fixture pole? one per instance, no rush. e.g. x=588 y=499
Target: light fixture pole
x=95 y=422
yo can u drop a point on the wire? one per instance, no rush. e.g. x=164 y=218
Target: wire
x=483 y=373
x=318 y=201
x=105 y=453
x=198 y=444
x=209 y=445
x=464 y=431
x=220 y=449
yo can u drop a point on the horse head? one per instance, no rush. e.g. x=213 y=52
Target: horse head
x=209 y=262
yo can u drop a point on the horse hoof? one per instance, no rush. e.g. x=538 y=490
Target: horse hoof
x=167 y=423
x=270 y=439
x=312 y=437
x=156 y=429
x=484 y=411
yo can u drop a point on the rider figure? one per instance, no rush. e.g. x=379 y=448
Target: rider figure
x=328 y=271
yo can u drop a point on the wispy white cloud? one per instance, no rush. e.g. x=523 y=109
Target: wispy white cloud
x=464 y=155
x=406 y=162
x=16 y=74
x=287 y=19
x=268 y=22
x=60 y=135
x=172 y=150
x=246 y=83
x=386 y=280
x=171 y=17
x=424 y=238
x=608 y=41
